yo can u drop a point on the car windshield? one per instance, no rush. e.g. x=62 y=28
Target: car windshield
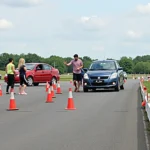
x=103 y=65
x=30 y=66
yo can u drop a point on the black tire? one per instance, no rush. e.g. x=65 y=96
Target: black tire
x=35 y=84
x=117 y=88
x=85 y=89
x=122 y=87
x=30 y=81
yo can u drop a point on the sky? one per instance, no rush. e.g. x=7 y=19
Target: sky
x=95 y=28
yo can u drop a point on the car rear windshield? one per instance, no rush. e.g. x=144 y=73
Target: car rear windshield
x=103 y=65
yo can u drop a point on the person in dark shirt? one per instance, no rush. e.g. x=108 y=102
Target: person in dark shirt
x=22 y=74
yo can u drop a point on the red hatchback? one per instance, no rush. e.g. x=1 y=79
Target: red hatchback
x=38 y=73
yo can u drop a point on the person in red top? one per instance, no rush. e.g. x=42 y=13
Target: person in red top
x=77 y=76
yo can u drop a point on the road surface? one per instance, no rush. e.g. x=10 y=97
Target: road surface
x=102 y=121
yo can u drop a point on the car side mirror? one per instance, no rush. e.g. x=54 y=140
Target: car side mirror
x=85 y=69
x=120 y=68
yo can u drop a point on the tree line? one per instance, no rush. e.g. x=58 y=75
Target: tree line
x=137 y=65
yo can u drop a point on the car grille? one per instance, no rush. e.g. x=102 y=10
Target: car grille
x=103 y=77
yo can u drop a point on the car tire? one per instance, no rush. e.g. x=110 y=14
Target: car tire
x=35 y=84
x=30 y=81
x=117 y=88
x=122 y=87
x=85 y=89
x=54 y=79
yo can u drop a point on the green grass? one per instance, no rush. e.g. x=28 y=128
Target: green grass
x=65 y=77
x=147 y=84
x=2 y=73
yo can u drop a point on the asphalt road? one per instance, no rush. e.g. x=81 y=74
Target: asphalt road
x=102 y=121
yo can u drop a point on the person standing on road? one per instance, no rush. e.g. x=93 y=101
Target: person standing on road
x=77 y=76
x=7 y=87
x=22 y=75
x=10 y=70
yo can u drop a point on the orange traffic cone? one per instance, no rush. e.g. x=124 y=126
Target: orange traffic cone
x=54 y=85
x=145 y=89
x=49 y=96
x=70 y=105
x=46 y=86
x=52 y=92
x=58 y=88
x=1 y=93
x=143 y=103
x=12 y=105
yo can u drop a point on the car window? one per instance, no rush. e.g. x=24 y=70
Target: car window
x=30 y=66
x=39 y=67
x=103 y=65
x=47 y=67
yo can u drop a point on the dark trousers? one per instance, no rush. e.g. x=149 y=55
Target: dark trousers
x=10 y=82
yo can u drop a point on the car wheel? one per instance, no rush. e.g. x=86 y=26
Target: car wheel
x=30 y=81
x=122 y=87
x=54 y=80
x=117 y=88
x=85 y=89
x=35 y=84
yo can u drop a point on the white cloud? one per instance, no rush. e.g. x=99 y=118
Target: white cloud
x=144 y=9
x=21 y=3
x=134 y=34
x=5 y=24
x=93 y=22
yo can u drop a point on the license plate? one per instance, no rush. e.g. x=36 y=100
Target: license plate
x=99 y=81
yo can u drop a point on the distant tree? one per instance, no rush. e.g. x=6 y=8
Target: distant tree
x=127 y=64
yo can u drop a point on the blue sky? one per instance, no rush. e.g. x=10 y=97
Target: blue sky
x=94 y=28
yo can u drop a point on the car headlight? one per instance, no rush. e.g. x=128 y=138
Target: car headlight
x=86 y=76
x=114 y=75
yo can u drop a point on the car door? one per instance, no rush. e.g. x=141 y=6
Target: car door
x=39 y=74
x=48 y=72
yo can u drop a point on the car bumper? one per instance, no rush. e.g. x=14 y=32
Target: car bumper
x=109 y=83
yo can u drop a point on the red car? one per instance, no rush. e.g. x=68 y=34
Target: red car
x=38 y=73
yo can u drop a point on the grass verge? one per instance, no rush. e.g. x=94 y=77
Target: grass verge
x=147 y=84
x=2 y=74
x=65 y=77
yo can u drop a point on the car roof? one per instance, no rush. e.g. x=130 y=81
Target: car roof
x=105 y=60
x=35 y=63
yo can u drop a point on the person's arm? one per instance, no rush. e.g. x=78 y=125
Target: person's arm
x=68 y=64
x=13 y=68
x=81 y=65
x=25 y=69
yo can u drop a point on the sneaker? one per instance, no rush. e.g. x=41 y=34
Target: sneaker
x=23 y=93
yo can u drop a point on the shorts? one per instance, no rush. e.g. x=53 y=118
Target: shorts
x=23 y=80
x=77 y=77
